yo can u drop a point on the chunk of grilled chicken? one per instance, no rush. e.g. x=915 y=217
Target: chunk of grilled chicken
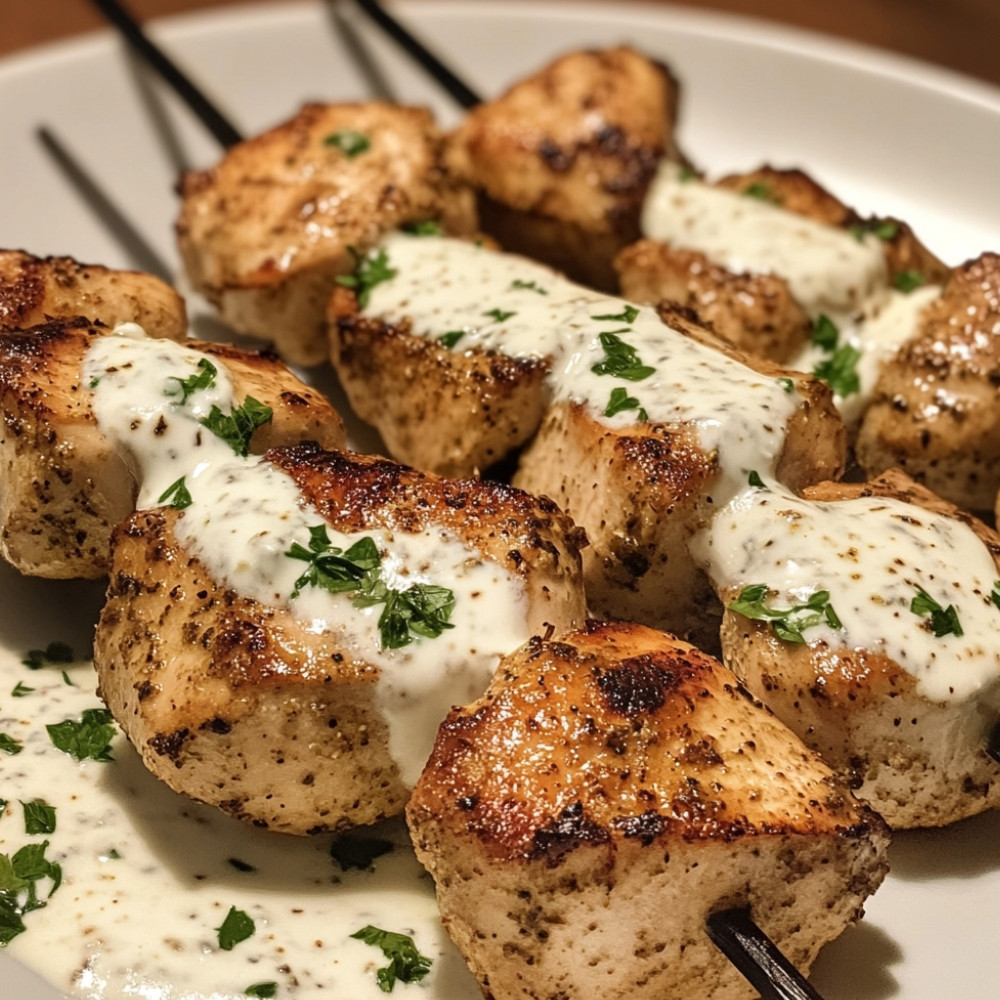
x=454 y=413
x=754 y=312
x=561 y=162
x=273 y=719
x=612 y=789
x=264 y=234
x=34 y=290
x=642 y=492
x=920 y=762
x=64 y=486
x=935 y=410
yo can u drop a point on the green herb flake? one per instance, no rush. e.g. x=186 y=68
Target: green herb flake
x=369 y=270
x=3 y=806
x=39 y=817
x=349 y=142
x=88 y=738
x=94 y=382
x=176 y=494
x=264 y=990
x=621 y=360
x=406 y=964
x=907 y=281
x=620 y=401
x=840 y=371
x=761 y=191
x=529 y=286
x=21 y=690
x=9 y=745
x=238 y=427
x=995 y=594
x=241 y=866
x=66 y=679
x=787 y=384
x=628 y=315
x=885 y=229
x=235 y=928
x=428 y=227
x=686 y=174
x=499 y=315
x=754 y=480
x=358 y=852
x=204 y=379
x=54 y=652
x=943 y=621
x=451 y=338
x=825 y=333
x=111 y=855
x=20 y=874
x=788 y=624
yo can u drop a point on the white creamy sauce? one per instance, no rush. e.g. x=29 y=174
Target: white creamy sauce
x=246 y=514
x=148 y=876
x=504 y=303
x=872 y=555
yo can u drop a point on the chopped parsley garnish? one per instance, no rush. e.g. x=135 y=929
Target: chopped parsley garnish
x=20 y=874
x=825 y=333
x=21 y=690
x=627 y=315
x=621 y=360
x=369 y=270
x=349 y=142
x=235 y=928
x=621 y=401
x=907 y=281
x=788 y=623
x=499 y=315
x=995 y=594
x=428 y=227
x=237 y=427
x=422 y=610
x=406 y=964
x=3 y=806
x=39 y=817
x=686 y=174
x=754 y=480
x=177 y=495
x=204 y=379
x=530 y=286
x=241 y=866
x=66 y=680
x=762 y=192
x=9 y=745
x=111 y=855
x=265 y=990
x=884 y=229
x=94 y=382
x=358 y=852
x=88 y=738
x=944 y=621
x=840 y=371
x=787 y=384
x=54 y=652
x=451 y=338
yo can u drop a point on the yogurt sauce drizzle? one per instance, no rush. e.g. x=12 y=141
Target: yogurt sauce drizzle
x=245 y=514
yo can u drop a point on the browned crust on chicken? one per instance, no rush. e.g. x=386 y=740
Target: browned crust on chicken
x=34 y=290
x=920 y=763
x=754 y=312
x=562 y=161
x=265 y=232
x=641 y=493
x=64 y=486
x=454 y=413
x=615 y=773
x=934 y=410
x=248 y=708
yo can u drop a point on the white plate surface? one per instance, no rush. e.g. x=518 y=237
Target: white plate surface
x=887 y=134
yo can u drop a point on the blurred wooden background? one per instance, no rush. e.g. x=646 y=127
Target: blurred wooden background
x=962 y=35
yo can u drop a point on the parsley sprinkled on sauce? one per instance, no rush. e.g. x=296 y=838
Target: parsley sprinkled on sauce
x=995 y=594
x=788 y=624
x=3 y=806
x=787 y=384
x=241 y=866
x=621 y=360
x=499 y=315
x=264 y=990
x=369 y=270
x=176 y=494
x=349 y=142
x=9 y=745
x=237 y=927
x=620 y=401
x=530 y=286
x=884 y=229
x=451 y=338
x=686 y=174
x=754 y=480
x=21 y=690
x=762 y=192
x=20 y=875
x=907 y=281
x=86 y=738
x=237 y=427
x=204 y=379
x=943 y=621
x=358 y=852
x=840 y=371
x=428 y=227
x=627 y=315
x=406 y=964
x=422 y=610
x=825 y=334
x=54 y=652
x=39 y=817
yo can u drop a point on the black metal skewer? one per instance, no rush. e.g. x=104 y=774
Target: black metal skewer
x=210 y=116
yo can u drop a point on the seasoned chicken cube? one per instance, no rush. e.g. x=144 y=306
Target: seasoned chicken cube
x=890 y=667
x=561 y=162
x=64 y=484
x=297 y=703
x=935 y=410
x=34 y=290
x=613 y=789
x=265 y=233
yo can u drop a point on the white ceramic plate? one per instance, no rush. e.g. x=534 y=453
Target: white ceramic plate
x=887 y=134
